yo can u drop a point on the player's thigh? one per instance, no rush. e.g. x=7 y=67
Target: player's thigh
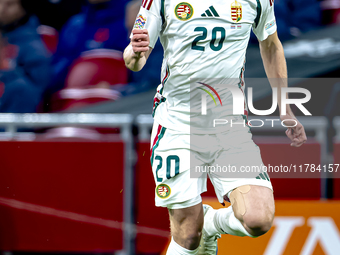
x=252 y=194
x=239 y=163
x=253 y=204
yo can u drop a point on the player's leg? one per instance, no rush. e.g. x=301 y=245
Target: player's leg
x=251 y=213
x=254 y=207
x=186 y=229
x=250 y=192
x=252 y=210
x=175 y=189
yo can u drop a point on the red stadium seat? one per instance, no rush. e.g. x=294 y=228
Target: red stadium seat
x=50 y=37
x=95 y=66
x=92 y=78
x=331 y=11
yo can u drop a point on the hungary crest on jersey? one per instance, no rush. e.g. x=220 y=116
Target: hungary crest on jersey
x=163 y=191
x=184 y=11
x=236 y=11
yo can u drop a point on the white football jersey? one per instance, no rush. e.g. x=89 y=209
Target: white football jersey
x=201 y=40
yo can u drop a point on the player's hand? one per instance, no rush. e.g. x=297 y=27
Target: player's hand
x=296 y=134
x=140 y=42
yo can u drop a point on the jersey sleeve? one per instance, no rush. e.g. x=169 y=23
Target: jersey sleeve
x=149 y=17
x=265 y=22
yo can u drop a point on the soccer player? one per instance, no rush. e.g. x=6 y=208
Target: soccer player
x=207 y=39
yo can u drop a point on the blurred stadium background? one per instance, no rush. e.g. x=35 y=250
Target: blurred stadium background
x=75 y=176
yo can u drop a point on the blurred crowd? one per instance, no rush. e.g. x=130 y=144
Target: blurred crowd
x=60 y=54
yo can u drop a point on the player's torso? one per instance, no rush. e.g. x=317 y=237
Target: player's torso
x=198 y=35
x=202 y=40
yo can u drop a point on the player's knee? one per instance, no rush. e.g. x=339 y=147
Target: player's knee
x=188 y=237
x=258 y=223
x=191 y=239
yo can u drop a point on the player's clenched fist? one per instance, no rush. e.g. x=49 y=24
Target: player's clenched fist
x=138 y=51
x=140 y=41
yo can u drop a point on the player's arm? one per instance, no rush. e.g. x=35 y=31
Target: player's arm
x=138 y=51
x=275 y=66
x=276 y=69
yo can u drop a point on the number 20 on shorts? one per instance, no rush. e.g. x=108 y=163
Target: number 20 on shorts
x=169 y=160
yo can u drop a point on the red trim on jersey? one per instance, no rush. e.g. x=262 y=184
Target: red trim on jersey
x=156 y=138
x=166 y=75
x=144 y=3
x=271 y=2
x=149 y=6
x=246 y=113
x=155 y=100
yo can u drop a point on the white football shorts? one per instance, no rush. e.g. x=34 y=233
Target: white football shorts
x=176 y=157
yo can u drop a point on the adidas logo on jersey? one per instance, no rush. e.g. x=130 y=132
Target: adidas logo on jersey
x=211 y=12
